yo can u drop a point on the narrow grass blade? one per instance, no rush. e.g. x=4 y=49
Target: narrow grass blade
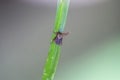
x=54 y=50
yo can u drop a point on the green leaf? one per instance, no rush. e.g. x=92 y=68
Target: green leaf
x=54 y=50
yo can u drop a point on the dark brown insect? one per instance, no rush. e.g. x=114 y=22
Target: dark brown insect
x=59 y=37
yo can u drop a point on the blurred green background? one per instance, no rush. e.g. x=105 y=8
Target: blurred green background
x=90 y=52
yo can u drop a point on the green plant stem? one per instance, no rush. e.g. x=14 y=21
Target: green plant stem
x=54 y=50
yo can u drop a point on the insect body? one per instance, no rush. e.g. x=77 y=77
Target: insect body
x=59 y=37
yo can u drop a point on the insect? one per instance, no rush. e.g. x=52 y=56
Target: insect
x=59 y=37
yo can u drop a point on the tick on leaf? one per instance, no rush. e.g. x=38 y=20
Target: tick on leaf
x=59 y=37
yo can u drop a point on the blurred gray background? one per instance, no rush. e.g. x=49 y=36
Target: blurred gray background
x=90 y=52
